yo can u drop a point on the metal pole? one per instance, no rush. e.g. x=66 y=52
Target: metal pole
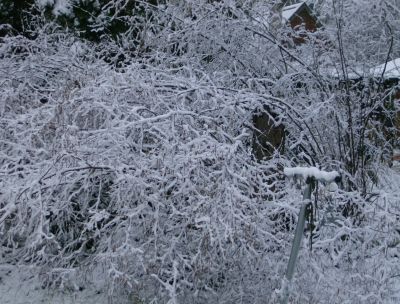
x=297 y=239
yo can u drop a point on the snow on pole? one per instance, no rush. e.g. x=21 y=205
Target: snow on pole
x=314 y=172
x=310 y=175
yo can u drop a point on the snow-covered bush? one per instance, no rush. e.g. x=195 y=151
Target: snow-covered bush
x=141 y=179
x=145 y=173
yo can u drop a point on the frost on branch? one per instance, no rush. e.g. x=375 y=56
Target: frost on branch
x=143 y=176
x=141 y=179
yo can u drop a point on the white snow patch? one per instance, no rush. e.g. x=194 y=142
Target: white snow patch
x=353 y=73
x=392 y=69
x=306 y=172
x=78 y=48
x=21 y=285
x=62 y=7
x=44 y=3
x=332 y=187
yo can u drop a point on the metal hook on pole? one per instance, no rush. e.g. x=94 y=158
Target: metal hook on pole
x=311 y=175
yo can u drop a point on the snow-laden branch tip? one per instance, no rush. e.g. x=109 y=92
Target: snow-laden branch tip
x=314 y=172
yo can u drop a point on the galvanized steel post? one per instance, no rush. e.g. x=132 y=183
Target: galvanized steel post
x=297 y=238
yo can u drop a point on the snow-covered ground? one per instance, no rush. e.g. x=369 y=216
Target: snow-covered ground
x=22 y=286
